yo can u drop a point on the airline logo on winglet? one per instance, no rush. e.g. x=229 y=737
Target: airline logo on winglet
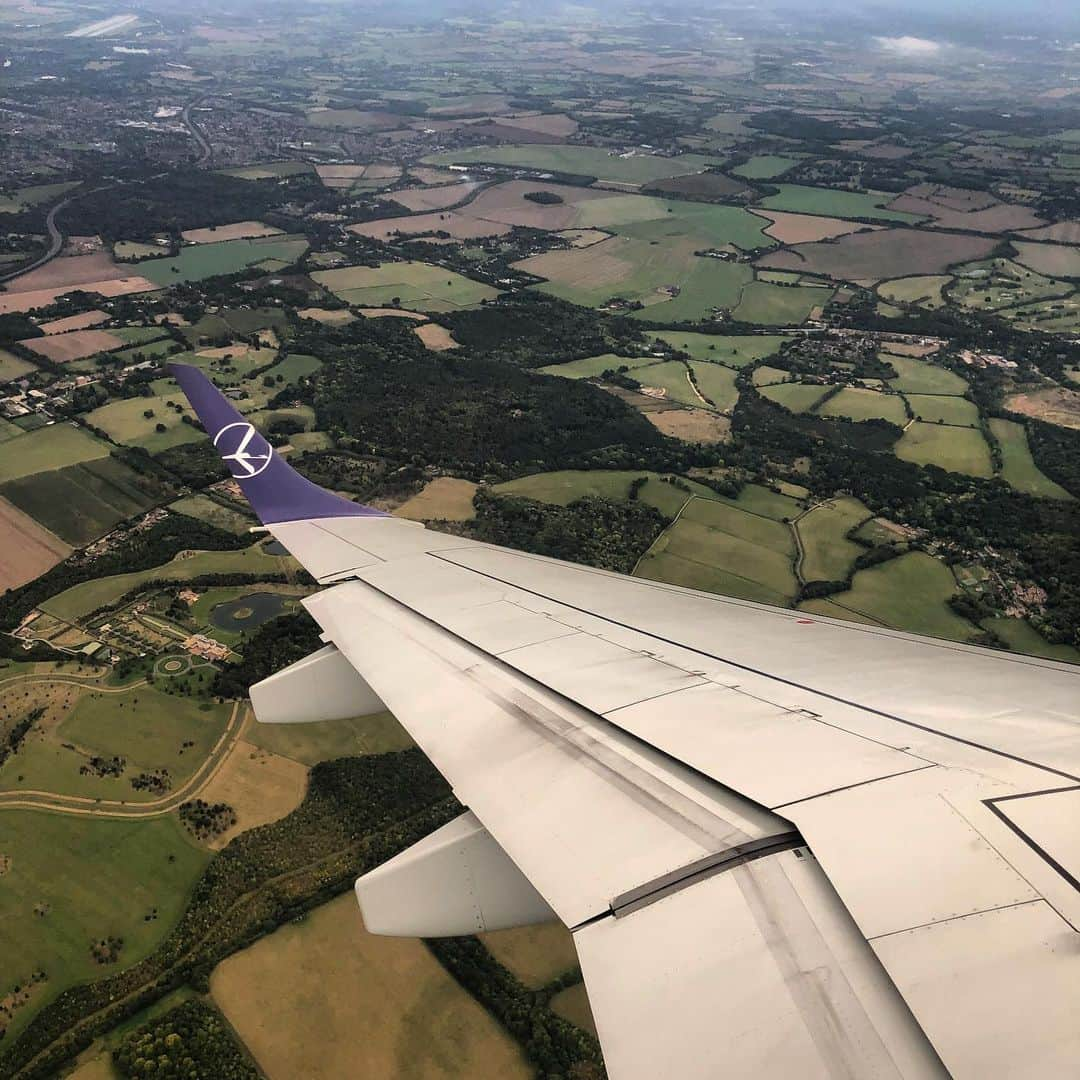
x=245 y=450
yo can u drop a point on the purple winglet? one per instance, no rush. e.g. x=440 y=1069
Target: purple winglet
x=276 y=491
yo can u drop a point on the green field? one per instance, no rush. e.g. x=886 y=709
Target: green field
x=593 y=366
x=23 y=198
x=413 y=284
x=923 y=377
x=765 y=167
x=144 y=726
x=125 y=419
x=828 y=202
x=309 y=744
x=798 y=397
x=204 y=508
x=779 y=305
x=13 y=367
x=709 y=225
x=765 y=374
x=269 y=170
x=957 y=449
x=1018 y=468
x=908 y=593
x=827 y=552
x=579 y=161
x=199 y=261
x=924 y=289
x=856 y=404
x=672 y=378
x=52 y=447
x=706 y=284
x=1022 y=637
x=81 y=502
x=717 y=383
x=755 y=499
x=81 y=599
x=945 y=409
x=735 y=352
x=114 y=873
x=718 y=548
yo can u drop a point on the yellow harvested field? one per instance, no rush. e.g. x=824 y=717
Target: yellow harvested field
x=26 y=549
x=326 y=315
x=260 y=786
x=28 y=301
x=791 y=228
x=459 y=226
x=443 y=499
x=74 y=322
x=69 y=270
x=691 y=425
x=390 y=312
x=340 y=172
x=323 y=999
x=61 y=348
x=435 y=337
x=535 y=954
x=432 y=198
x=558 y=124
x=573 y=1004
x=910 y=348
x=580 y=238
x=238 y=230
x=1055 y=405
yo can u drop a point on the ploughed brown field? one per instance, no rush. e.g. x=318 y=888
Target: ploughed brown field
x=74 y=322
x=888 y=253
x=432 y=198
x=791 y=228
x=60 y=348
x=26 y=549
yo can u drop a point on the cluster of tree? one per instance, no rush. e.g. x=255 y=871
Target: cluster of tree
x=19 y=730
x=206 y=820
x=185 y=199
x=597 y=532
x=357 y=813
x=534 y=330
x=473 y=415
x=557 y=1048
x=189 y=1042
x=275 y=645
x=1056 y=451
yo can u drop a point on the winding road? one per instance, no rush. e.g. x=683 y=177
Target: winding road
x=59 y=803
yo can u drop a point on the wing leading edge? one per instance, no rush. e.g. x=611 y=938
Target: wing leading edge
x=785 y=846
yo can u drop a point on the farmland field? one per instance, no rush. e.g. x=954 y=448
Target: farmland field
x=806 y=228
x=944 y=409
x=60 y=348
x=672 y=378
x=1022 y=637
x=798 y=397
x=26 y=549
x=778 y=305
x=857 y=404
x=923 y=377
x=50 y=447
x=203 y=508
x=379 y=1006
x=25 y=197
x=324 y=740
x=115 y=874
x=717 y=383
x=765 y=167
x=579 y=161
x=908 y=593
x=416 y=284
x=827 y=552
x=13 y=367
x=270 y=170
x=125 y=419
x=827 y=202
x=1018 y=467
x=735 y=352
x=445 y=498
x=205 y=260
x=238 y=230
x=535 y=954
x=958 y=449
x=887 y=253
x=922 y=289
x=81 y=502
x=592 y=366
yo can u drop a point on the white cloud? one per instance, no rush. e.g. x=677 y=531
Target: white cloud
x=909 y=46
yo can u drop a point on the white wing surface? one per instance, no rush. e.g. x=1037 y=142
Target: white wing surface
x=785 y=845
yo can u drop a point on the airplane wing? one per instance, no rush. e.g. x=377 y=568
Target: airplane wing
x=784 y=845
